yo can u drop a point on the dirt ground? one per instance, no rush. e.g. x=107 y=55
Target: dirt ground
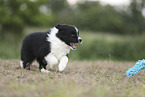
x=79 y=79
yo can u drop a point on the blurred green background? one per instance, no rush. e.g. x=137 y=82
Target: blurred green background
x=108 y=32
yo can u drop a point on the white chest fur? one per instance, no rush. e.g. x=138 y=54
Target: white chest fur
x=58 y=48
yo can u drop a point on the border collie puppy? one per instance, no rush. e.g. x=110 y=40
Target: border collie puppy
x=50 y=47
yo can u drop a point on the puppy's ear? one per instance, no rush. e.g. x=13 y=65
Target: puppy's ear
x=58 y=26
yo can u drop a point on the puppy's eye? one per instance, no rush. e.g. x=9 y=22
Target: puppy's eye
x=73 y=35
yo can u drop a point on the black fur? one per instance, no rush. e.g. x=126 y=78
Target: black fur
x=35 y=46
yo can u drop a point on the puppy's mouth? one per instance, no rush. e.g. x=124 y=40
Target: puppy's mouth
x=73 y=45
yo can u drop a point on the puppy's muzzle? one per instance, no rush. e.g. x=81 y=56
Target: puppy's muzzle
x=80 y=40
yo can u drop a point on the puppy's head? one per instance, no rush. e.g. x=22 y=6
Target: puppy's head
x=69 y=34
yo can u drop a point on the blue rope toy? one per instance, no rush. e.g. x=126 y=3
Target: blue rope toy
x=140 y=64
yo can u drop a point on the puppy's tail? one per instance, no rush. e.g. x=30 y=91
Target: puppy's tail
x=21 y=65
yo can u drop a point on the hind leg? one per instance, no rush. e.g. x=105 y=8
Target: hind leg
x=25 y=64
x=26 y=61
x=42 y=65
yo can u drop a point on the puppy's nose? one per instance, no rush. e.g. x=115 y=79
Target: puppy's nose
x=80 y=40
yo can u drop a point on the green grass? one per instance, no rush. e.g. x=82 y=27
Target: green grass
x=10 y=46
x=96 y=46
x=79 y=79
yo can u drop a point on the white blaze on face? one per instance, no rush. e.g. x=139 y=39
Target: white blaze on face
x=77 y=31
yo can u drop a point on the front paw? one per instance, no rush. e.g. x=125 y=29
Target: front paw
x=63 y=63
x=44 y=71
x=61 y=68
